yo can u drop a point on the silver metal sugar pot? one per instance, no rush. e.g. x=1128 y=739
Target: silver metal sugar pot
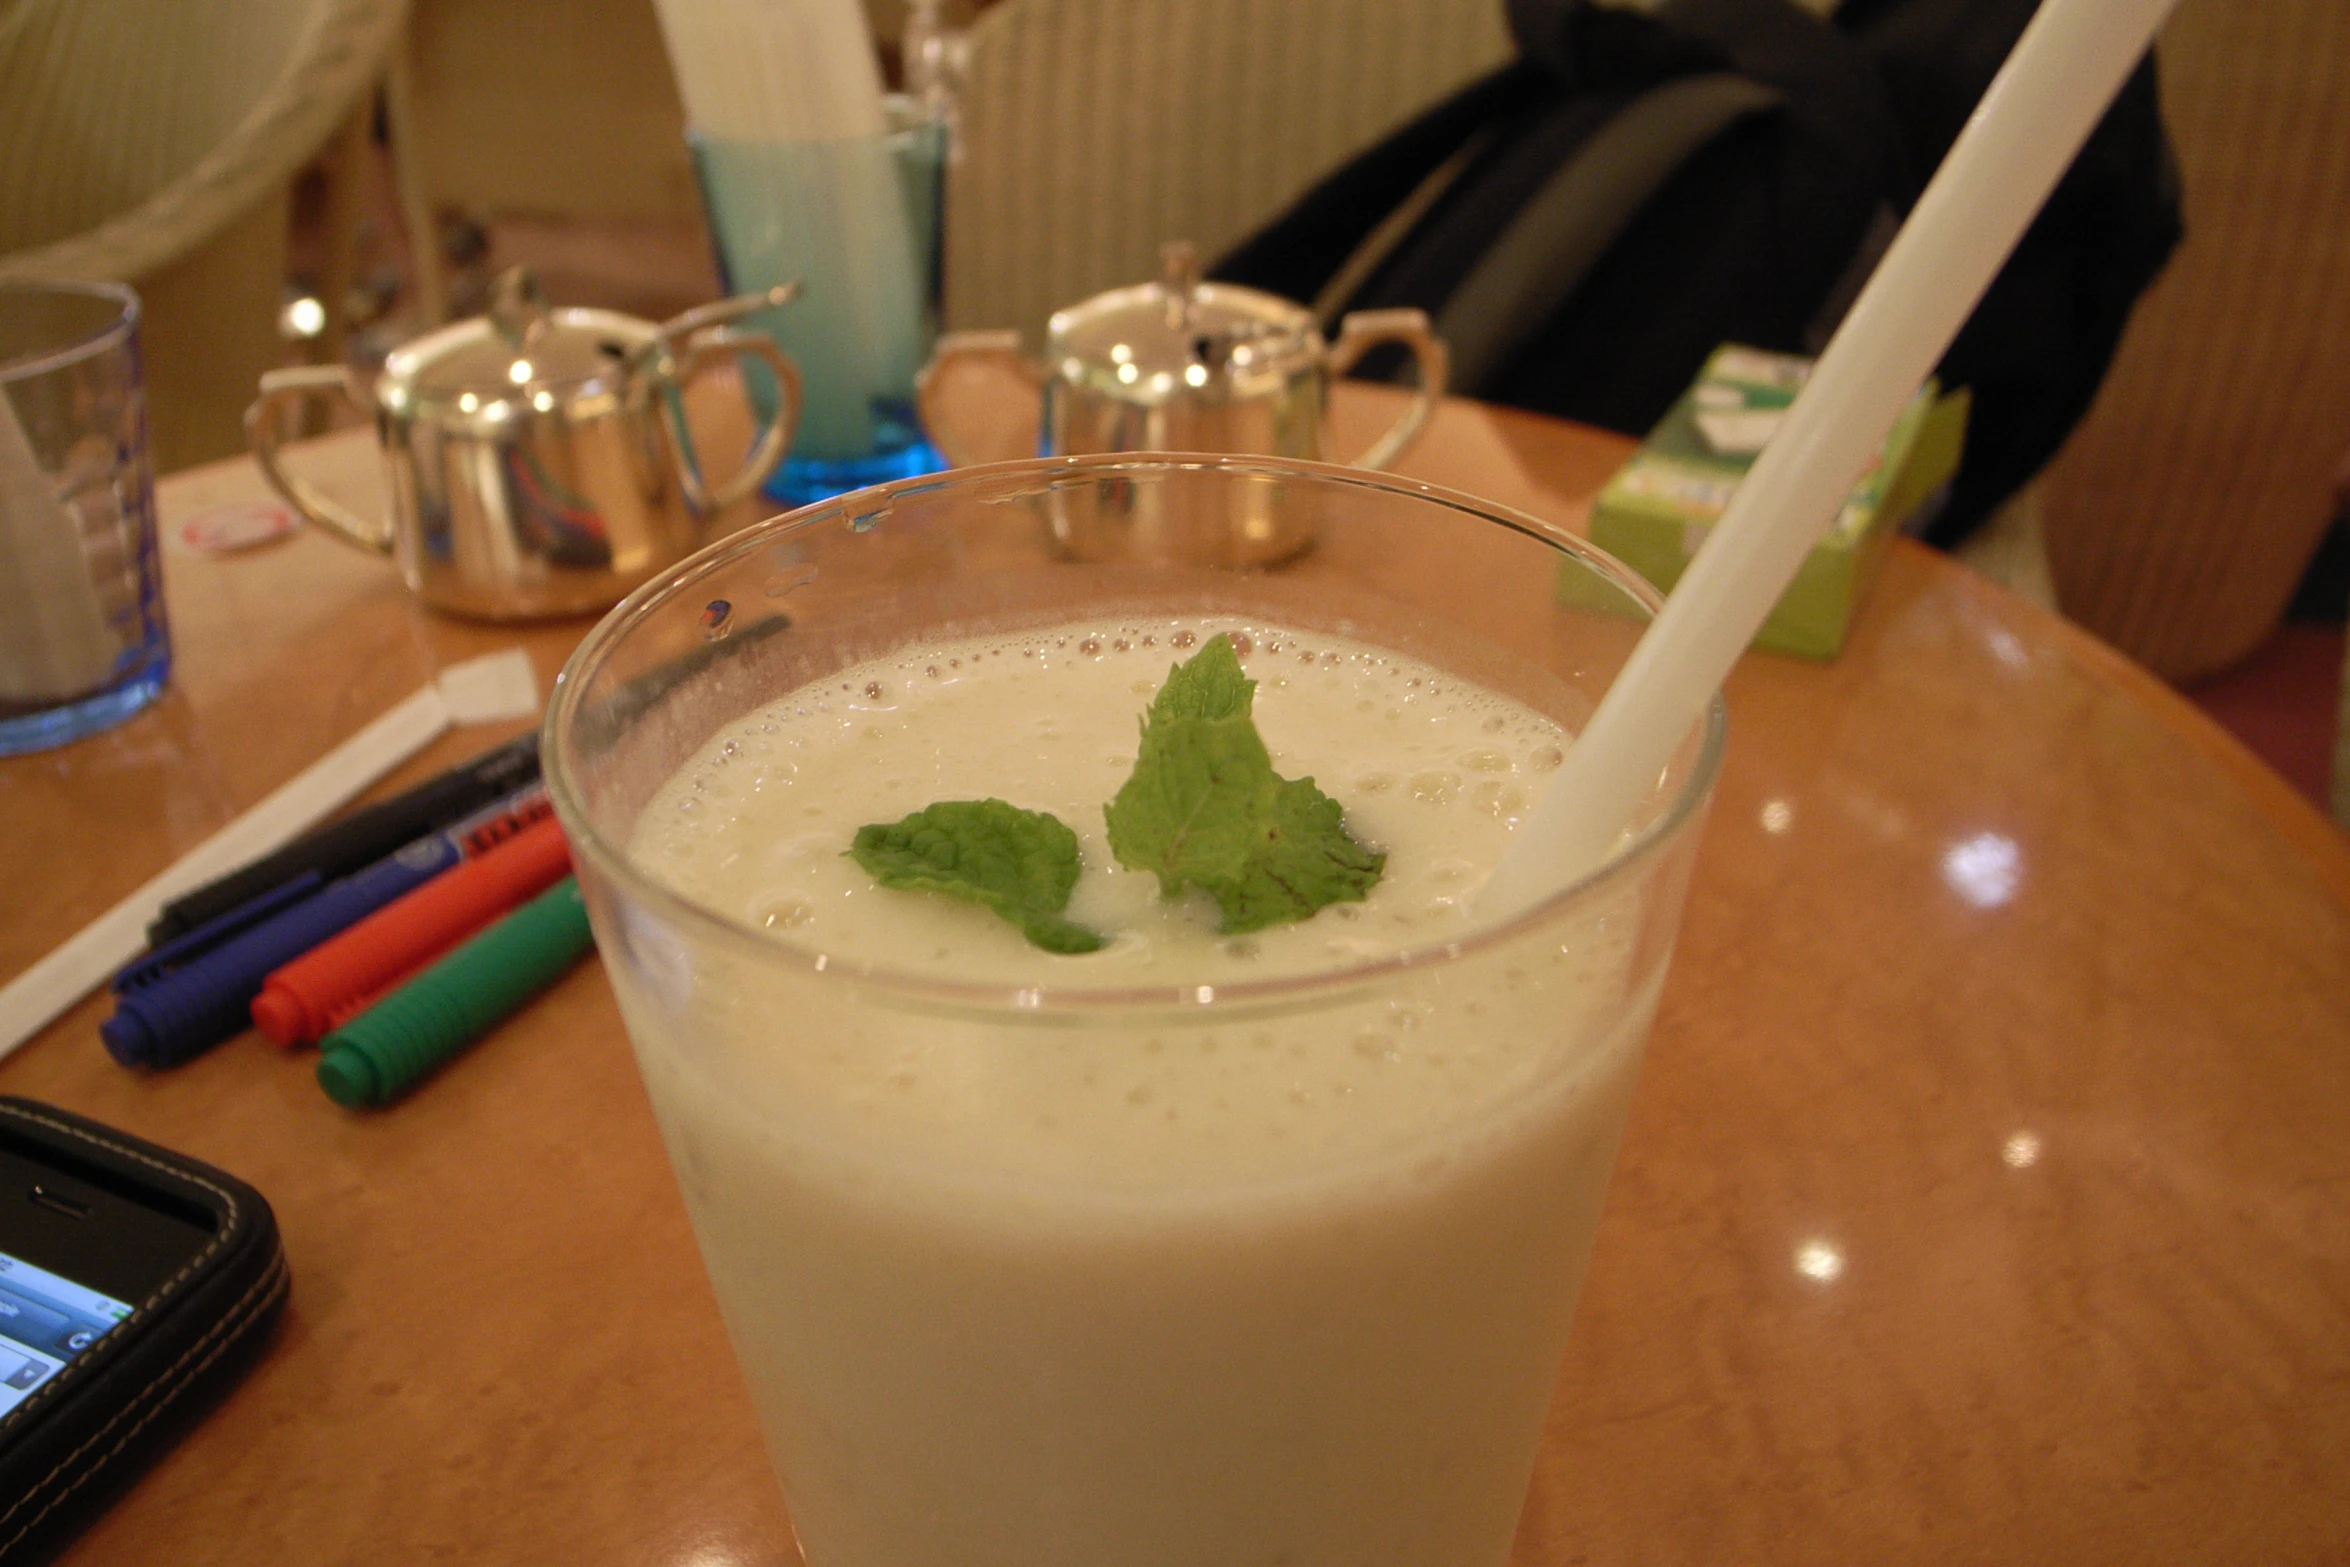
x=1175 y=365
x=541 y=459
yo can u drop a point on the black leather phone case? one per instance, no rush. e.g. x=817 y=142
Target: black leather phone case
x=110 y=1412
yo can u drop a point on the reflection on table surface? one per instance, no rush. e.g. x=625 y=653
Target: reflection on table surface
x=1987 y=1194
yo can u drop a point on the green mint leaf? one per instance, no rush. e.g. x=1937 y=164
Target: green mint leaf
x=1190 y=810
x=1204 y=807
x=1209 y=684
x=1019 y=863
x=1304 y=859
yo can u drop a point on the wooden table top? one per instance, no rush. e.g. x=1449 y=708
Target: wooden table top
x=1986 y=1196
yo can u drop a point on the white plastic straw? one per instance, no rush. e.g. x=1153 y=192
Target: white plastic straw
x=774 y=70
x=2063 y=71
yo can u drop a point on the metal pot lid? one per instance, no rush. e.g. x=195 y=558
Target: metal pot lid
x=522 y=347
x=1181 y=338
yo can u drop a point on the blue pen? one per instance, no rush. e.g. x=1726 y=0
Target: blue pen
x=182 y=950
x=166 y=1014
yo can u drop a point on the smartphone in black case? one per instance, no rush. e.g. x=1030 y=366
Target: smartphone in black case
x=136 y=1286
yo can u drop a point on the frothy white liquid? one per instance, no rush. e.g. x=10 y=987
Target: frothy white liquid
x=1168 y=1285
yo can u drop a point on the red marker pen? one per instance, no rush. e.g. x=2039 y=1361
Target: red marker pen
x=300 y=1002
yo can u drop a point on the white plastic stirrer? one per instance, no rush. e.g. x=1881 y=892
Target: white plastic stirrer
x=2056 y=83
x=54 y=639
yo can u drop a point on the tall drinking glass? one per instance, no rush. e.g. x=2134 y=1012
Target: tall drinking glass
x=83 y=642
x=1035 y=1270
x=856 y=223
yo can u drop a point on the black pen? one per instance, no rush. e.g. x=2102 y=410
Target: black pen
x=361 y=838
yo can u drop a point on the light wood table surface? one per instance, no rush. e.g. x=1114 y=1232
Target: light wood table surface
x=1986 y=1196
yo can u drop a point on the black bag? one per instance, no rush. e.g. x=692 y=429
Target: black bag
x=1589 y=222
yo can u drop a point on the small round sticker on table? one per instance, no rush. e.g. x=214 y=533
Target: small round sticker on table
x=217 y=530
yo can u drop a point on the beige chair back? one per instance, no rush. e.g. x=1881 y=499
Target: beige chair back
x=1094 y=130
x=548 y=107
x=155 y=144
x=2185 y=508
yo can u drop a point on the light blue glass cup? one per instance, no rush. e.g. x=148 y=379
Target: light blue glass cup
x=855 y=222
x=83 y=642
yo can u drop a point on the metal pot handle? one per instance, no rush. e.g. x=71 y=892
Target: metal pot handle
x=280 y=388
x=957 y=351
x=1364 y=330
x=703 y=352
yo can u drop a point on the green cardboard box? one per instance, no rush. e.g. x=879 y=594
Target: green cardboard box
x=1659 y=506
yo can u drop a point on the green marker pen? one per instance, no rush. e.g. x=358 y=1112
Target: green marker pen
x=380 y=1054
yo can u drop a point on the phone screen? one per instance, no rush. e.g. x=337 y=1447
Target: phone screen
x=45 y=1320
x=79 y=1250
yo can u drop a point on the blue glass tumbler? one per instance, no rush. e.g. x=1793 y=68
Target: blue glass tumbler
x=83 y=643
x=855 y=221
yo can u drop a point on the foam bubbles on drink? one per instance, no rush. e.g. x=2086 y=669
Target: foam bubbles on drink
x=1431 y=769
x=1433 y=781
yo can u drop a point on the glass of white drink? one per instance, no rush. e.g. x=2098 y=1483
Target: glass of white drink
x=1202 y=1248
